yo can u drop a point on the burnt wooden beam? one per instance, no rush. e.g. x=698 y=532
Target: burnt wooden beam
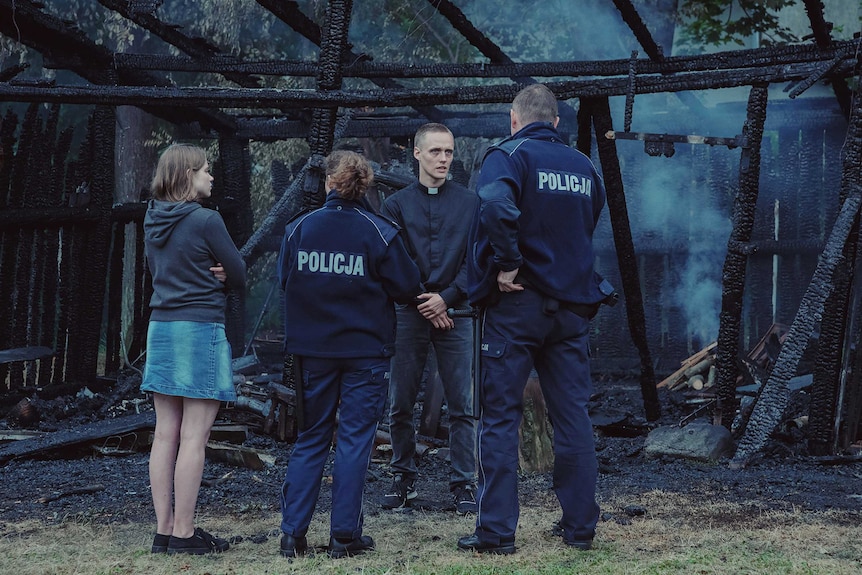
x=361 y=68
x=773 y=398
x=97 y=238
x=491 y=125
x=489 y=49
x=322 y=138
x=735 y=262
x=194 y=46
x=80 y=434
x=830 y=384
x=636 y=24
x=213 y=97
x=626 y=258
x=822 y=33
x=60 y=41
x=289 y=12
x=462 y=24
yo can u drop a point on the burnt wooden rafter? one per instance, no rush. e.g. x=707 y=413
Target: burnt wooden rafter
x=481 y=42
x=821 y=32
x=61 y=42
x=636 y=24
x=289 y=13
x=298 y=99
x=730 y=60
x=196 y=47
x=488 y=48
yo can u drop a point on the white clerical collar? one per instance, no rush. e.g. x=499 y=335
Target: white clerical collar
x=433 y=191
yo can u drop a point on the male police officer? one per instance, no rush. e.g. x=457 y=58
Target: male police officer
x=435 y=216
x=532 y=268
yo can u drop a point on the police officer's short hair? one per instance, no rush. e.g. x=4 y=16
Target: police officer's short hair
x=535 y=103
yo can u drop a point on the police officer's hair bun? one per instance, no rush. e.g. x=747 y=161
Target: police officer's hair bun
x=350 y=174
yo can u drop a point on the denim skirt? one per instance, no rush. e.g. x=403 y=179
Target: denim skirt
x=188 y=359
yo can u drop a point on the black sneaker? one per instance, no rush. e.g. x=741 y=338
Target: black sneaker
x=160 y=543
x=339 y=548
x=293 y=546
x=465 y=500
x=198 y=544
x=400 y=495
x=557 y=529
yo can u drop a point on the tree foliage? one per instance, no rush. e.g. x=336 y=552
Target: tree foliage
x=719 y=22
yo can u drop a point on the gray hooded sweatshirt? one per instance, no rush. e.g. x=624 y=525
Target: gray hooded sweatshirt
x=182 y=241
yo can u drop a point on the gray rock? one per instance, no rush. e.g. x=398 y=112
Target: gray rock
x=698 y=440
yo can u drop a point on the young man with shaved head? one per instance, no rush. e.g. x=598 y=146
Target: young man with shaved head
x=435 y=215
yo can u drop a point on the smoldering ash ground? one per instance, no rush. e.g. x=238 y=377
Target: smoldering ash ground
x=82 y=483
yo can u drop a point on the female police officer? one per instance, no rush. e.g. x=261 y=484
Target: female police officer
x=342 y=268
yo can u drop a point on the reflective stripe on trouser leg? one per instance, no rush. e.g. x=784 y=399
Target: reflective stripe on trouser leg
x=512 y=333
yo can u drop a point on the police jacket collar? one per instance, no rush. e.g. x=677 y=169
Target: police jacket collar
x=539 y=131
x=334 y=200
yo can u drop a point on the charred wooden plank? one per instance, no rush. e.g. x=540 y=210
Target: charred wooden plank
x=82 y=434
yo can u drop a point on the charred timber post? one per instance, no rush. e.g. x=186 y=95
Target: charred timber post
x=625 y=252
x=774 y=396
x=829 y=377
x=733 y=272
x=96 y=242
x=333 y=45
x=234 y=173
x=8 y=126
x=23 y=171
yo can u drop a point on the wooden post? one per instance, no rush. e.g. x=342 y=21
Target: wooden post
x=536 y=453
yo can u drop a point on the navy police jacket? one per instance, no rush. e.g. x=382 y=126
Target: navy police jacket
x=342 y=269
x=539 y=203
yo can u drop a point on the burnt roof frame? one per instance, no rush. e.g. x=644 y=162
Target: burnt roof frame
x=69 y=48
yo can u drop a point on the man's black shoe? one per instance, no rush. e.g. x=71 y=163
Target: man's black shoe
x=473 y=543
x=293 y=546
x=582 y=544
x=339 y=548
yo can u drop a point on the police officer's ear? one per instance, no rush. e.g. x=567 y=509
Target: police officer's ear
x=556 y=120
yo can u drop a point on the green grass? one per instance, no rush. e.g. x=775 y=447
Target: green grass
x=681 y=534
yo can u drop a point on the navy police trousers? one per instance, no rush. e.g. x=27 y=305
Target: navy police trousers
x=519 y=334
x=357 y=388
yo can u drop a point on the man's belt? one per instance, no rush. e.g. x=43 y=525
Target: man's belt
x=582 y=309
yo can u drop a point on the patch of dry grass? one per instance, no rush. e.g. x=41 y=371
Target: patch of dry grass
x=679 y=534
